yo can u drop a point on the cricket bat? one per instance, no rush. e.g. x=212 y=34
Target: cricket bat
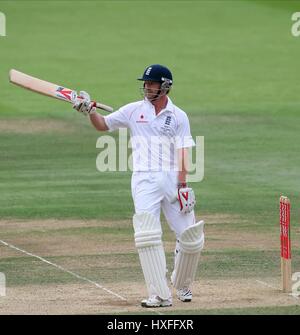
x=47 y=88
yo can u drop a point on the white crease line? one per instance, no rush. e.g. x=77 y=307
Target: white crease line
x=275 y=288
x=63 y=269
x=73 y=274
x=266 y=284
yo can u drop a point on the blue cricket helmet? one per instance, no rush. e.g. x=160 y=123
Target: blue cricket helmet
x=158 y=73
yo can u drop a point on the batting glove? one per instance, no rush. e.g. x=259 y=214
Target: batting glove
x=186 y=198
x=83 y=104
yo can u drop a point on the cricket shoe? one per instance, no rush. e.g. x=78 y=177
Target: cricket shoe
x=156 y=301
x=184 y=294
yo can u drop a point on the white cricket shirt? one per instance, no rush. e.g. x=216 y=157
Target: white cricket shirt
x=154 y=138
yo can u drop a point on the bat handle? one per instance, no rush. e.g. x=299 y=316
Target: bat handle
x=100 y=105
x=104 y=107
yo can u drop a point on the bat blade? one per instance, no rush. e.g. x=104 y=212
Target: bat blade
x=41 y=86
x=46 y=88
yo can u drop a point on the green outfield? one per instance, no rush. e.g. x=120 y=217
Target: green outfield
x=235 y=67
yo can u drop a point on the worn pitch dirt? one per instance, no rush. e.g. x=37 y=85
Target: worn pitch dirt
x=86 y=298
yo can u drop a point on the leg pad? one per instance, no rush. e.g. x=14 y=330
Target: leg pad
x=151 y=253
x=191 y=243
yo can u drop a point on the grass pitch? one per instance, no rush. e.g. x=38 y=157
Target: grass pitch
x=234 y=65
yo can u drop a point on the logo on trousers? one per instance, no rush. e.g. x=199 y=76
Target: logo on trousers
x=2 y=24
x=2 y=285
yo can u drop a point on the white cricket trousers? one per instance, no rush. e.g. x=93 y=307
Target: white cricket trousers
x=153 y=191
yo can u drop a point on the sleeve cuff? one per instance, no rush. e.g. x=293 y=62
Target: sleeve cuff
x=106 y=120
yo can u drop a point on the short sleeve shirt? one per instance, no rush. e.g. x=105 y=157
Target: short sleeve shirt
x=154 y=138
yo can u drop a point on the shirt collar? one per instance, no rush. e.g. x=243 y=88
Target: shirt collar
x=168 y=108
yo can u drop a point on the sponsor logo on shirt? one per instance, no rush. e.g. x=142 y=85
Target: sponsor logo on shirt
x=141 y=119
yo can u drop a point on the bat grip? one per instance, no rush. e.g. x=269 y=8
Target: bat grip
x=104 y=107
x=100 y=105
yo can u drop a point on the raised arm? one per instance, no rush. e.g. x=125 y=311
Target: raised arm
x=98 y=121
